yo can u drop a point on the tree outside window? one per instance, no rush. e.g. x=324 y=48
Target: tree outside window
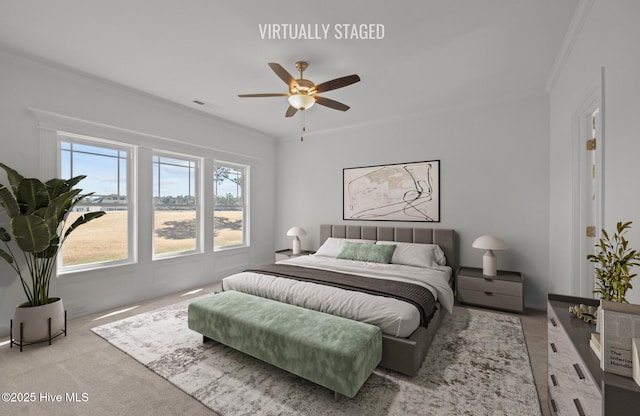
x=230 y=211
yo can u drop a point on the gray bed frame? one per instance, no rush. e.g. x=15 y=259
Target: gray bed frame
x=404 y=355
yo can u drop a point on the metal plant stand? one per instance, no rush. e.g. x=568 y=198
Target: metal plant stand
x=50 y=337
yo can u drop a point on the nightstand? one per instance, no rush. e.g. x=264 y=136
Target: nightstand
x=504 y=291
x=287 y=254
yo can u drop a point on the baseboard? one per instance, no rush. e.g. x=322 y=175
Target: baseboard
x=221 y=273
x=4 y=330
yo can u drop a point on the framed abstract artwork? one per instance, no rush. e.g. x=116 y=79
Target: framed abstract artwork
x=397 y=192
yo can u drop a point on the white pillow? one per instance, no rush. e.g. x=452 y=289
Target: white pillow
x=415 y=254
x=333 y=246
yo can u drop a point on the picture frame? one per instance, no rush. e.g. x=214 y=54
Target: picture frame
x=407 y=192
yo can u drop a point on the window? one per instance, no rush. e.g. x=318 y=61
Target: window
x=230 y=206
x=106 y=166
x=175 y=205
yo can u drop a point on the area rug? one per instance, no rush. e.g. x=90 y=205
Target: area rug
x=477 y=365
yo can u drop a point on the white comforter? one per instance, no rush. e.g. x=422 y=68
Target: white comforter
x=393 y=316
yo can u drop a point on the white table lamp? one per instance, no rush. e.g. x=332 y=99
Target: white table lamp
x=489 y=262
x=296 y=232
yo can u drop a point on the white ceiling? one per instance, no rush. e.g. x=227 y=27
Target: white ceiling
x=435 y=53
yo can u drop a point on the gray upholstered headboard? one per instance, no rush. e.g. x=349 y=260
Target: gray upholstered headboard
x=445 y=238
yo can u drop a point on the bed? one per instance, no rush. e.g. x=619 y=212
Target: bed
x=407 y=299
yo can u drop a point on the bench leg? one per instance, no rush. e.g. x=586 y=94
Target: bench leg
x=336 y=396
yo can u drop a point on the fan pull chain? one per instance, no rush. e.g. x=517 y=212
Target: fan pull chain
x=302 y=123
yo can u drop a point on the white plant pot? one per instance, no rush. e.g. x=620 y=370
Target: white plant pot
x=35 y=322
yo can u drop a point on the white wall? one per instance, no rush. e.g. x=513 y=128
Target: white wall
x=494 y=178
x=28 y=83
x=609 y=39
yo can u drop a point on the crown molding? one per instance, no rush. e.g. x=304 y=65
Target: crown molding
x=568 y=43
x=49 y=121
x=430 y=112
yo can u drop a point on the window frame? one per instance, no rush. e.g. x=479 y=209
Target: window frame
x=245 y=205
x=198 y=178
x=131 y=204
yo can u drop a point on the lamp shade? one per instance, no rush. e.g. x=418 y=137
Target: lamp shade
x=489 y=261
x=301 y=101
x=489 y=242
x=296 y=232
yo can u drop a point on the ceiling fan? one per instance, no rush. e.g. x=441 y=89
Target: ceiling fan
x=303 y=93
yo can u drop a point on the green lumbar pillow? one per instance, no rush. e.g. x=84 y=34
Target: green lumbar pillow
x=366 y=252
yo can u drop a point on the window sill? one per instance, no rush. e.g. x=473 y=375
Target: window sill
x=69 y=270
x=176 y=255
x=94 y=271
x=227 y=251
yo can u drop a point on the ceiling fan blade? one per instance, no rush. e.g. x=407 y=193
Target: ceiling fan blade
x=291 y=111
x=275 y=94
x=283 y=74
x=327 y=102
x=334 y=84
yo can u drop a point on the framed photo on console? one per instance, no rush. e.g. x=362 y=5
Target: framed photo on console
x=396 y=192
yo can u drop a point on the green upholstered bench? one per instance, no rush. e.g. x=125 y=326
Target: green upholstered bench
x=334 y=352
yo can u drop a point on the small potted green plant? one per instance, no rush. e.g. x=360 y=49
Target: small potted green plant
x=37 y=214
x=613 y=263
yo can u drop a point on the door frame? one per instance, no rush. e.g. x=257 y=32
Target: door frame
x=594 y=99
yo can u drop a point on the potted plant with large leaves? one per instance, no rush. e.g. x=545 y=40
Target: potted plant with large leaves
x=37 y=214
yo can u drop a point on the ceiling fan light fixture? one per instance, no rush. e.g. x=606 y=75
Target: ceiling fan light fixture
x=301 y=101
x=303 y=92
